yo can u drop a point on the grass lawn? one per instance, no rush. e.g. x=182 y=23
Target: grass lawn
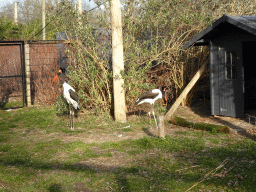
x=39 y=152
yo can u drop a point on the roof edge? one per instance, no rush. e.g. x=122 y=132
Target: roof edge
x=198 y=38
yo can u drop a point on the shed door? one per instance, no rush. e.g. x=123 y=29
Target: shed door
x=228 y=90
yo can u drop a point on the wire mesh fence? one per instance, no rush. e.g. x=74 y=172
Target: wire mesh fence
x=45 y=59
x=11 y=75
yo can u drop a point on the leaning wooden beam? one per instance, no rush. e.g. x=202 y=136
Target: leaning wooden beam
x=185 y=91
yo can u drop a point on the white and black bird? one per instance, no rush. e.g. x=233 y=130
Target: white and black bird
x=150 y=97
x=71 y=97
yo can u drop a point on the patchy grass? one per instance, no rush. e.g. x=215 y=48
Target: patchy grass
x=38 y=152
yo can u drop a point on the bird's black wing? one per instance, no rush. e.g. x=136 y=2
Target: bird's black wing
x=146 y=95
x=73 y=95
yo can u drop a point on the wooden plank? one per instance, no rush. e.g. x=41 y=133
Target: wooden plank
x=186 y=91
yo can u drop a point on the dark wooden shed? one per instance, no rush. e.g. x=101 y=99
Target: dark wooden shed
x=232 y=42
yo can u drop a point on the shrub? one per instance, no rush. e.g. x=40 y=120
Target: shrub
x=61 y=106
x=153 y=35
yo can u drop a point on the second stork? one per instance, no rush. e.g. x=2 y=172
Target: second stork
x=150 y=97
x=71 y=97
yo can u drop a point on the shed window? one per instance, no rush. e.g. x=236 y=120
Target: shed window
x=231 y=64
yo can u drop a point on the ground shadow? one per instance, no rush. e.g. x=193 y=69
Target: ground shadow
x=5 y=98
x=149 y=133
x=138 y=113
x=203 y=109
x=55 y=188
x=142 y=170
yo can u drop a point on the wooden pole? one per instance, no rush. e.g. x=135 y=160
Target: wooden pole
x=27 y=71
x=185 y=91
x=160 y=120
x=15 y=13
x=80 y=11
x=117 y=61
x=43 y=18
x=80 y=6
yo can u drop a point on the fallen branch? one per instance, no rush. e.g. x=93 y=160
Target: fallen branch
x=187 y=168
x=209 y=175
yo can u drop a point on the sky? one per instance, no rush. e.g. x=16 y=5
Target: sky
x=4 y=2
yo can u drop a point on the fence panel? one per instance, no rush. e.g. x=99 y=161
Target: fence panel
x=45 y=59
x=12 y=75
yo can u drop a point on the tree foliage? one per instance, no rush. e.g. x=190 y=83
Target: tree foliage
x=29 y=26
x=153 y=35
x=9 y=30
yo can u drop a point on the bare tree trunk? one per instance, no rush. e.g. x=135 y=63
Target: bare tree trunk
x=117 y=61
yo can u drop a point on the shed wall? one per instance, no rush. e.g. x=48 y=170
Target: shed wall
x=227 y=96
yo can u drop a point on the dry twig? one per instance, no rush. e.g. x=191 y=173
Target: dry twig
x=210 y=174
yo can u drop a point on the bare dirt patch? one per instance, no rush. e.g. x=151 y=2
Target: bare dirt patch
x=197 y=113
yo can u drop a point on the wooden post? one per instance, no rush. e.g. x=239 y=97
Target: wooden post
x=160 y=120
x=27 y=72
x=43 y=18
x=80 y=7
x=15 y=13
x=117 y=61
x=185 y=91
x=80 y=11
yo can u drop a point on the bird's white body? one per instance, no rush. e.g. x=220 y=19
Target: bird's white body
x=150 y=97
x=66 y=94
x=70 y=95
x=150 y=100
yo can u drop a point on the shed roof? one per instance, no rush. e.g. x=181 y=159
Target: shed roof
x=246 y=23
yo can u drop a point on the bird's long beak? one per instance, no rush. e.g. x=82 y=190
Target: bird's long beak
x=57 y=76
x=165 y=97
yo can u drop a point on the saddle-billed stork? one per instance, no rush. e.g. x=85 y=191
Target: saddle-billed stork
x=70 y=95
x=150 y=97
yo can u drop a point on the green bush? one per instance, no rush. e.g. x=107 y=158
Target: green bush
x=153 y=35
x=61 y=106
x=9 y=30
